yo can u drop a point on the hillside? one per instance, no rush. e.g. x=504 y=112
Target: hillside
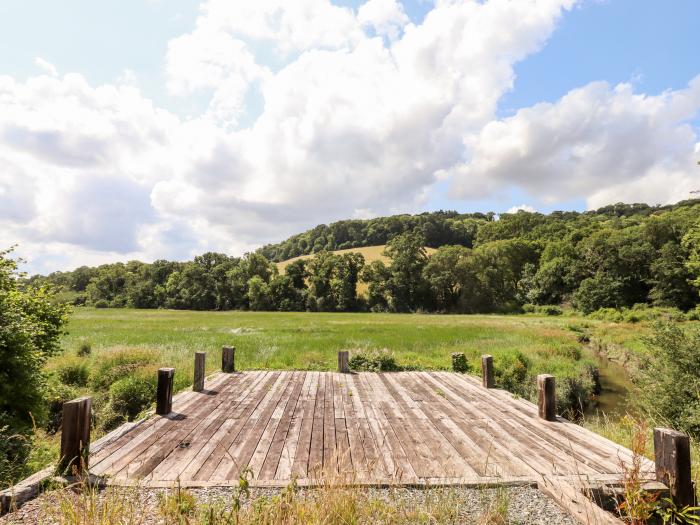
x=370 y=253
x=442 y=228
x=614 y=257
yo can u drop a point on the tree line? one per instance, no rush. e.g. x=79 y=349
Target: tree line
x=618 y=256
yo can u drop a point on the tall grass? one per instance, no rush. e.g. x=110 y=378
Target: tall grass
x=330 y=504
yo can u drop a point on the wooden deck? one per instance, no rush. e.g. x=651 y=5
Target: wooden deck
x=407 y=428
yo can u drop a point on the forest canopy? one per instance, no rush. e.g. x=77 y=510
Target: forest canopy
x=617 y=256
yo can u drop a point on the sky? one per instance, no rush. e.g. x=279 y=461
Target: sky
x=166 y=128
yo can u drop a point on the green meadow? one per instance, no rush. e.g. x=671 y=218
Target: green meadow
x=310 y=341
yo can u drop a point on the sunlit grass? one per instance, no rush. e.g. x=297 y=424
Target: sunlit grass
x=310 y=341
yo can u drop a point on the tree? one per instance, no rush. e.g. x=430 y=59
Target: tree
x=259 y=297
x=376 y=275
x=691 y=244
x=321 y=269
x=407 y=288
x=30 y=327
x=599 y=291
x=446 y=273
x=671 y=278
x=346 y=273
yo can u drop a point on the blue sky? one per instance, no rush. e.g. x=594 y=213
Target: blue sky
x=224 y=122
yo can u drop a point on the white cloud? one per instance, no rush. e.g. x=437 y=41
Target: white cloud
x=523 y=207
x=386 y=17
x=346 y=124
x=605 y=144
x=46 y=66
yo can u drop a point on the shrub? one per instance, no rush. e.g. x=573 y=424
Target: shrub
x=73 y=371
x=570 y=352
x=30 y=328
x=119 y=363
x=668 y=378
x=84 y=347
x=460 y=363
x=109 y=419
x=132 y=394
x=374 y=361
x=58 y=393
x=545 y=309
x=694 y=314
x=512 y=374
x=101 y=303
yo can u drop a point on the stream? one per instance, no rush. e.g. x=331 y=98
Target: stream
x=616 y=384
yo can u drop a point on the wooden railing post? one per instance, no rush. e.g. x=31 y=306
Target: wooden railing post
x=199 y=370
x=487 y=371
x=228 y=355
x=672 y=457
x=547 y=397
x=164 y=394
x=344 y=361
x=75 y=435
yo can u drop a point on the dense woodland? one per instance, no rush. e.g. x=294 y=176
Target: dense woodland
x=617 y=256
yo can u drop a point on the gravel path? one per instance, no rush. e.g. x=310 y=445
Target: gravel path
x=525 y=505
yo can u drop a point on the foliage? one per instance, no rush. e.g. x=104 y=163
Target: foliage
x=57 y=394
x=84 y=347
x=544 y=309
x=373 y=361
x=512 y=374
x=460 y=363
x=72 y=371
x=638 y=505
x=130 y=395
x=613 y=257
x=120 y=362
x=30 y=327
x=668 y=377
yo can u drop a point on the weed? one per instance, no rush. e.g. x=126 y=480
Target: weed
x=73 y=371
x=84 y=347
x=374 y=361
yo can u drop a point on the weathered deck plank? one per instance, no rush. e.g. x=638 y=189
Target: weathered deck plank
x=407 y=427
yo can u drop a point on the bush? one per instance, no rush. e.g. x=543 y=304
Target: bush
x=108 y=419
x=460 y=363
x=73 y=371
x=638 y=313
x=374 y=361
x=84 y=347
x=512 y=374
x=30 y=328
x=131 y=395
x=101 y=303
x=119 y=363
x=668 y=378
x=58 y=393
x=694 y=314
x=545 y=309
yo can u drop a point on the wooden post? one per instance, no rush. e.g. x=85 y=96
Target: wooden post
x=344 y=361
x=546 y=397
x=199 y=368
x=672 y=457
x=487 y=371
x=75 y=435
x=228 y=355
x=164 y=394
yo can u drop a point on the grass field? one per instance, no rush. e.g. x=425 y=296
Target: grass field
x=310 y=341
